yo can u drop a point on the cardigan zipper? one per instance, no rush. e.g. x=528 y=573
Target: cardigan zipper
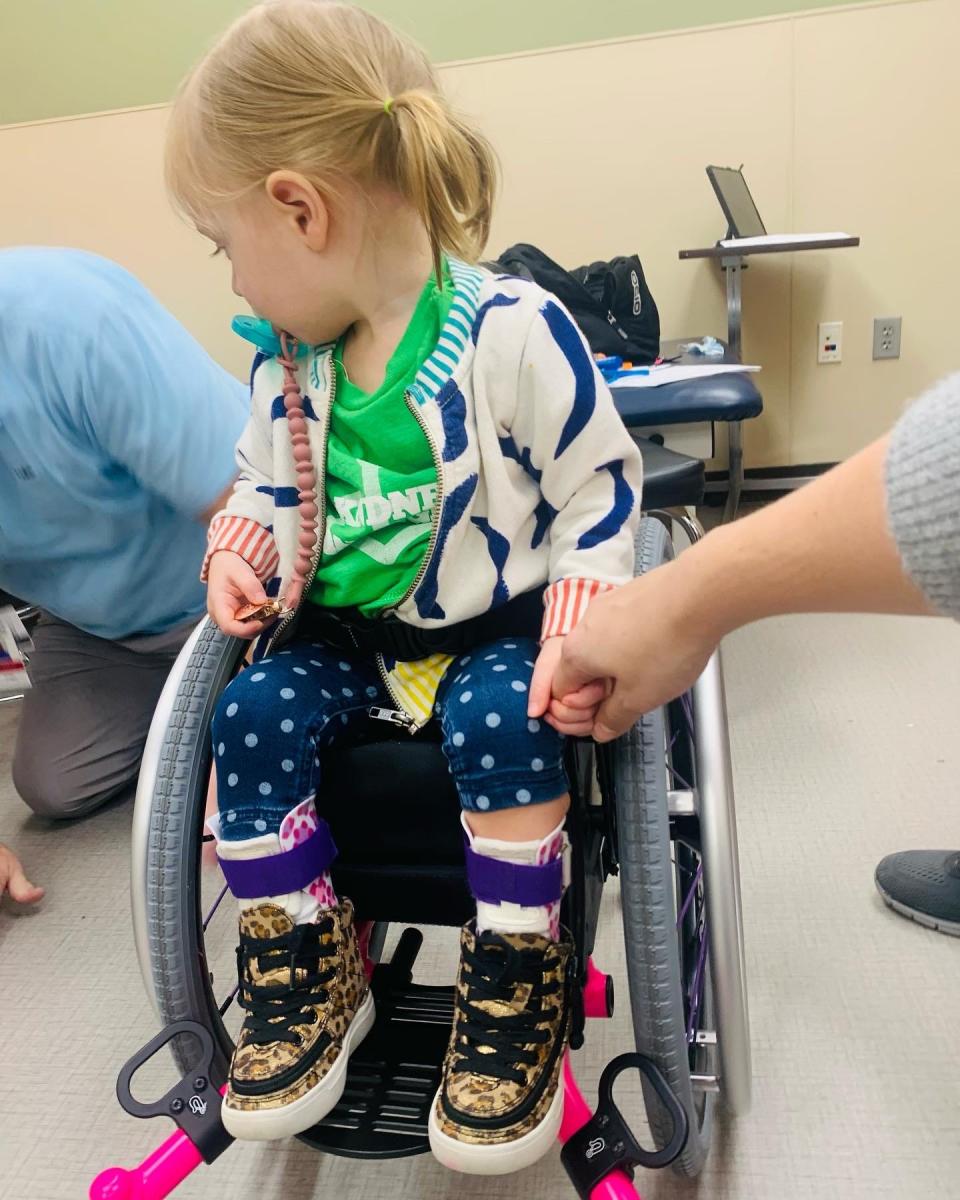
x=400 y=716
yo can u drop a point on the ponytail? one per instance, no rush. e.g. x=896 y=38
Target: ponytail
x=445 y=169
x=328 y=89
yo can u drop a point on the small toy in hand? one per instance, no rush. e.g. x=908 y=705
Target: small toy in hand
x=267 y=611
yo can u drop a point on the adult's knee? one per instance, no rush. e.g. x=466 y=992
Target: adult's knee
x=55 y=791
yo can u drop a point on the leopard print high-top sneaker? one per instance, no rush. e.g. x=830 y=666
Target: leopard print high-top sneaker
x=500 y=1102
x=308 y=1005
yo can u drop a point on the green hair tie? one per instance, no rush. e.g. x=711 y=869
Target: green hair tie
x=388 y=106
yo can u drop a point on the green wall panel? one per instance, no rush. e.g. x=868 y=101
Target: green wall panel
x=63 y=57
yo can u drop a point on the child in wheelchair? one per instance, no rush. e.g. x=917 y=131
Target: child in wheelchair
x=434 y=483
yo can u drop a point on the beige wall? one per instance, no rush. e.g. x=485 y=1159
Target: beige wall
x=845 y=119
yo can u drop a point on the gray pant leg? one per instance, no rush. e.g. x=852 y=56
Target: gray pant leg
x=84 y=722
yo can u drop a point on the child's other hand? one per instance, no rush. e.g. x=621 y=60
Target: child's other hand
x=572 y=714
x=13 y=880
x=232 y=583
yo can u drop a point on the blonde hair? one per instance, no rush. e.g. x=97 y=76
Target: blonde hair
x=328 y=90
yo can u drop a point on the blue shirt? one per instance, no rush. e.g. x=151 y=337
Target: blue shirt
x=117 y=431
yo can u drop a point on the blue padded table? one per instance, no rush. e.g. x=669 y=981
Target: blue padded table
x=732 y=398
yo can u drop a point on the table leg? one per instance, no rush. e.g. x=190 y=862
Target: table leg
x=733 y=268
x=734 y=468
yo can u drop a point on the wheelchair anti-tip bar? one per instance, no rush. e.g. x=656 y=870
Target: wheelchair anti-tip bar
x=195 y=1106
x=599 y=1151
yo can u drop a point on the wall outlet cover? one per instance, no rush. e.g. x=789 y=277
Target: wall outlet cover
x=886 y=337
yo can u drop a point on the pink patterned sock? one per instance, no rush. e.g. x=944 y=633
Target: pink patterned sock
x=550 y=848
x=298 y=824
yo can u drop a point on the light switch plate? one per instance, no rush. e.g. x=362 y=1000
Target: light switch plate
x=830 y=342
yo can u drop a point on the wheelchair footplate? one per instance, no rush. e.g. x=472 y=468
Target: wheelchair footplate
x=392 y=1078
x=394 y=1074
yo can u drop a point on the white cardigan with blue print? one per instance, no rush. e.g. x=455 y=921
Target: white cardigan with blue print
x=538 y=480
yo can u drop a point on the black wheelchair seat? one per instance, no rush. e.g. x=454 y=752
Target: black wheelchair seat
x=400 y=839
x=670 y=480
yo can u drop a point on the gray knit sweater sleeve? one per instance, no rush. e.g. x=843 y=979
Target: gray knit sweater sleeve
x=923 y=493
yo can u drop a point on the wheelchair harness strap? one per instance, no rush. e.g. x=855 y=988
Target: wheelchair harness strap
x=496 y=882
x=347 y=630
x=280 y=874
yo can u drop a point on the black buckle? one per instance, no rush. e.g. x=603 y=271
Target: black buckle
x=606 y=1142
x=194 y=1103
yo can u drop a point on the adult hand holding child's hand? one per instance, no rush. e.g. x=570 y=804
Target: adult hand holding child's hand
x=649 y=639
x=231 y=584
x=571 y=714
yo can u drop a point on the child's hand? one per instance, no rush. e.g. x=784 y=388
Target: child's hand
x=572 y=714
x=232 y=583
x=13 y=880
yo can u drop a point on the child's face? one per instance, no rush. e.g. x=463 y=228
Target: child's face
x=289 y=263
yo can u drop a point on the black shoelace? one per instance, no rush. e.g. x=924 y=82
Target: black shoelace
x=498 y=1046
x=275 y=1008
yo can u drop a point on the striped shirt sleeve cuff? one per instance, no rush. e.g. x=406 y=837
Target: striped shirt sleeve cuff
x=245 y=537
x=566 y=601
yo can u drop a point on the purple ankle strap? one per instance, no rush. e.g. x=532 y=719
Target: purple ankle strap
x=497 y=882
x=278 y=874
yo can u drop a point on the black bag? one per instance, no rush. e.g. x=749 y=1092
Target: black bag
x=610 y=301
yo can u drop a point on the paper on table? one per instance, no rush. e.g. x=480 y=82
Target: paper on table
x=670 y=374
x=777 y=239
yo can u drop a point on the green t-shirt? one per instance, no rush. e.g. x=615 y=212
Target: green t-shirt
x=381 y=479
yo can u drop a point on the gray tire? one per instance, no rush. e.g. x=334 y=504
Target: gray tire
x=171 y=807
x=176 y=961
x=648 y=890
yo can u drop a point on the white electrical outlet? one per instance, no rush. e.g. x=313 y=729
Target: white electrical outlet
x=886 y=337
x=830 y=342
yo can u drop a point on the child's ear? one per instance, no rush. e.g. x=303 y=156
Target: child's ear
x=296 y=199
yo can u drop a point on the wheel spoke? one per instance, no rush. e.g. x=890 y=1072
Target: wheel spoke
x=678 y=778
x=696 y=986
x=690 y=894
x=687 y=705
x=216 y=904
x=229 y=1000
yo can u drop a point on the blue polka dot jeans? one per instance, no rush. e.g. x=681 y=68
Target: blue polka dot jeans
x=277 y=717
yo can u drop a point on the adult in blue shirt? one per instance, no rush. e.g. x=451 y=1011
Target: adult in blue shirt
x=117 y=435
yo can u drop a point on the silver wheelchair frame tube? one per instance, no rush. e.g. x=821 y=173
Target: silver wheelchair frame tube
x=143 y=807
x=718 y=831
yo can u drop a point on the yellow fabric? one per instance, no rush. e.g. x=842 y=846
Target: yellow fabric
x=414 y=684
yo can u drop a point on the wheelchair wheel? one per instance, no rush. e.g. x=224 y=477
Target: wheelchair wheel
x=669 y=908
x=174 y=900
x=185 y=921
